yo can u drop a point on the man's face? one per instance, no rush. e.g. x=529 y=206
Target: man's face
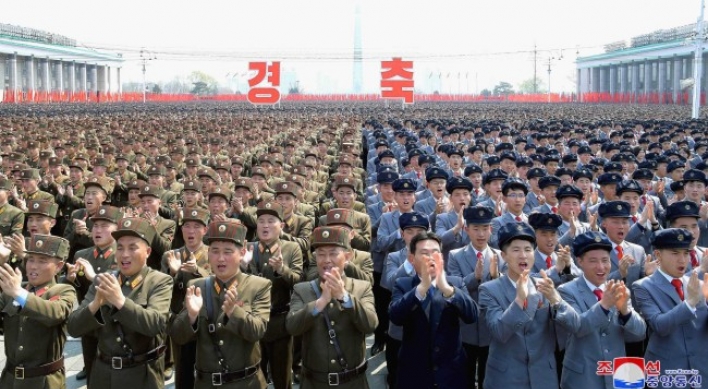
x=549 y=193
x=40 y=224
x=479 y=235
x=409 y=233
x=101 y=233
x=616 y=228
x=546 y=241
x=424 y=257
x=518 y=255
x=268 y=228
x=131 y=254
x=93 y=198
x=437 y=187
x=596 y=266
x=551 y=167
x=455 y=161
x=236 y=170
x=386 y=190
x=191 y=198
x=344 y=169
x=405 y=201
x=508 y=165
x=193 y=232
x=694 y=190
x=673 y=262
x=133 y=197
x=584 y=184
x=330 y=257
x=288 y=202
x=3 y=196
x=218 y=205
x=515 y=200
x=150 y=204
x=41 y=269
x=225 y=259
x=495 y=188
x=690 y=224
x=345 y=197
x=633 y=199
x=29 y=186
x=156 y=179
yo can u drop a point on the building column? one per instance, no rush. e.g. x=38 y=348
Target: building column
x=84 y=82
x=14 y=84
x=94 y=79
x=120 y=85
x=661 y=80
x=603 y=80
x=624 y=76
x=648 y=79
x=109 y=79
x=59 y=69
x=2 y=75
x=613 y=80
x=635 y=80
x=677 y=74
x=31 y=77
x=46 y=85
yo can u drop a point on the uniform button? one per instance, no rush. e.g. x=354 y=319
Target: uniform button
x=118 y=339
x=435 y=368
x=606 y=351
x=98 y=268
x=331 y=305
x=219 y=325
x=20 y=348
x=331 y=322
x=331 y=342
x=221 y=343
x=333 y=361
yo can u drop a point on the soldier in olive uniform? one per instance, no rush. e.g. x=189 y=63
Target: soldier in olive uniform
x=122 y=177
x=297 y=228
x=34 y=319
x=280 y=261
x=127 y=311
x=91 y=261
x=334 y=314
x=70 y=197
x=41 y=218
x=12 y=219
x=78 y=230
x=150 y=203
x=185 y=264
x=30 y=186
x=226 y=314
x=360 y=266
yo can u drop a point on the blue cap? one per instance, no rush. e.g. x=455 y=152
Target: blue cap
x=609 y=178
x=672 y=238
x=473 y=169
x=673 y=165
x=478 y=215
x=676 y=186
x=413 y=219
x=425 y=158
x=582 y=173
x=507 y=155
x=694 y=175
x=563 y=171
x=613 y=167
x=517 y=230
x=629 y=186
x=682 y=209
x=536 y=172
x=569 y=191
x=495 y=174
x=432 y=173
x=404 y=185
x=524 y=161
x=642 y=174
x=591 y=240
x=458 y=183
x=545 y=221
x=454 y=150
x=387 y=177
x=514 y=184
x=493 y=160
x=546 y=181
x=614 y=209
x=386 y=153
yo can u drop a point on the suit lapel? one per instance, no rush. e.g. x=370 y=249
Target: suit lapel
x=508 y=289
x=587 y=295
x=665 y=286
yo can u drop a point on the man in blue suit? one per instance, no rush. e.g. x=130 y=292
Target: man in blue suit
x=602 y=318
x=674 y=306
x=430 y=306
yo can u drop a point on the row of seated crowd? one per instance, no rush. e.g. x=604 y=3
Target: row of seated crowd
x=484 y=246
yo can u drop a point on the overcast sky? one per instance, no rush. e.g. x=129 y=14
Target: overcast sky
x=483 y=41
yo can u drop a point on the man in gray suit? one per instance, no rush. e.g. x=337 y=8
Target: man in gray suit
x=476 y=263
x=438 y=202
x=450 y=226
x=534 y=195
x=685 y=214
x=559 y=265
x=514 y=197
x=523 y=339
x=674 y=307
x=627 y=258
x=602 y=318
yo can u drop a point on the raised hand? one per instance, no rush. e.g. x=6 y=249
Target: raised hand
x=110 y=288
x=17 y=244
x=276 y=261
x=622 y=298
x=564 y=259
x=85 y=267
x=80 y=227
x=71 y=271
x=190 y=266
x=479 y=269
x=694 y=293
x=592 y=220
x=69 y=191
x=626 y=261
x=494 y=267
x=10 y=280
x=609 y=296
x=230 y=301
x=650 y=265
x=335 y=284
x=441 y=277
x=548 y=289
x=193 y=303
x=522 y=288
x=572 y=223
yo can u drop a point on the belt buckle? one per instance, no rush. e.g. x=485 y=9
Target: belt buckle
x=19 y=373
x=216 y=379
x=117 y=363
x=333 y=379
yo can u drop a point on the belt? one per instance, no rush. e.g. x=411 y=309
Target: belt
x=334 y=379
x=118 y=363
x=218 y=379
x=20 y=372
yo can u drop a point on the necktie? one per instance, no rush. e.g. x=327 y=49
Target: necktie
x=554 y=209
x=678 y=285
x=694 y=259
x=549 y=262
x=598 y=294
x=620 y=253
x=644 y=200
x=479 y=256
x=518 y=218
x=634 y=219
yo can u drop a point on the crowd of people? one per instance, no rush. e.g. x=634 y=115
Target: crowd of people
x=484 y=246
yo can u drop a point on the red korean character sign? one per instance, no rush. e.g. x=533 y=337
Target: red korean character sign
x=262 y=90
x=397 y=80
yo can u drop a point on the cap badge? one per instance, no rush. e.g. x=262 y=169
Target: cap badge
x=147 y=189
x=285 y=186
x=405 y=185
x=346 y=180
x=102 y=212
x=598 y=239
x=619 y=207
x=680 y=237
x=481 y=213
x=222 y=228
x=550 y=220
x=267 y=205
x=325 y=234
x=414 y=218
x=194 y=213
x=688 y=207
x=35 y=206
x=337 y=216
x=190 y=183
x=519 y=227
x=127 y=223
x=39 y=244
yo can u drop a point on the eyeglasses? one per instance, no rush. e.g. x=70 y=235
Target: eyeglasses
x=515 y=195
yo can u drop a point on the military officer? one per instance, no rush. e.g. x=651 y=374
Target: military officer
x=30 y=186
x=41 y=218
x=78 y=230
x=226 y=314
x=122 y=177
x=34 y=319
x=281 y=262
x=297 y=228
x=12 y=219
x=91 y=261
x=334 y=314
x=150 y=204
x=127 y=311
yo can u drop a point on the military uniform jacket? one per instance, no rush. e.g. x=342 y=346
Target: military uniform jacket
x=361 y=267
x=144 y=321
x=163 y=241
x=283 y=282
x=38 y=195
x=298 y=229
x=101 y=261
x=78 y=242
x=350 y=324
x=238 y=334
x=35 y=335
x=12 y=220
x=181 y=279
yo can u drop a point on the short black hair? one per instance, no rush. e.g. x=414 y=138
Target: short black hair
x=427 y=235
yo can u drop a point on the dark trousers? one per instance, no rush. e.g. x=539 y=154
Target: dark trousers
x=89 y=349
x=393 y=346
x=476 y=363
x=382 y=299
x=278 y=359
x=185 y=357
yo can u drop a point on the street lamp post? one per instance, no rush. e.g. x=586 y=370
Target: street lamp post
x=698 y=68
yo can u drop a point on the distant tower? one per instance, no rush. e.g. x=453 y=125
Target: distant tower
x=358 y=66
